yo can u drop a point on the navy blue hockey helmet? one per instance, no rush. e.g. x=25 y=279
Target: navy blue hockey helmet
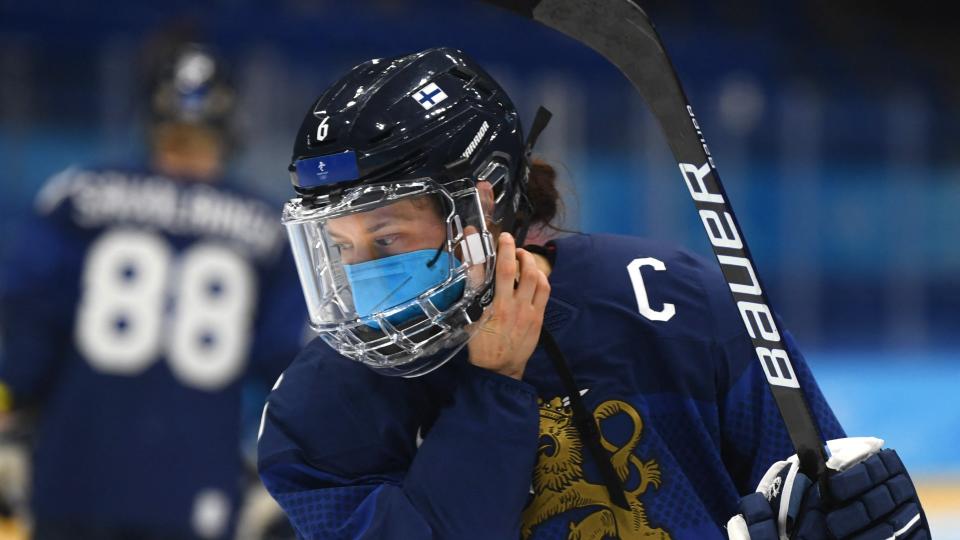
x=433 y=114
x=191 y=87
x=427 y=130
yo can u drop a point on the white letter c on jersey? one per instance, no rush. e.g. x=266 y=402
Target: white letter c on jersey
x=643 y=302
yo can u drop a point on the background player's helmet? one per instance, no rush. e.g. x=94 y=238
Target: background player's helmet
x=190 y=87
x=430 y=130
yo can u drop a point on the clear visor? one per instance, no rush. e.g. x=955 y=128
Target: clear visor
x=390 y=257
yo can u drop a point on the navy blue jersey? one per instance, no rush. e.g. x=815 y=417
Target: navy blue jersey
x=663 y=362
x=133 y=307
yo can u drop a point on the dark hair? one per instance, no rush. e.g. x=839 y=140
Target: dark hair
x=541 y=190
x=543 y=194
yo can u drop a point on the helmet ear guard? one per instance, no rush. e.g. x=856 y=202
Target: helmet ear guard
x=488 y=171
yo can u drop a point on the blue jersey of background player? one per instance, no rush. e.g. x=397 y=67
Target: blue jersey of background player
x=640 y=411
x=135 y=303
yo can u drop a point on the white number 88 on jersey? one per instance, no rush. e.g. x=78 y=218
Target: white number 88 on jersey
x=139 y=300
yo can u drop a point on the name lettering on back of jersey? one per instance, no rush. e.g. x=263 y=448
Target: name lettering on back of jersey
x=100 y=198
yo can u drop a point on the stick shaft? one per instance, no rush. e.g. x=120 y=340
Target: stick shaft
x=621 y=32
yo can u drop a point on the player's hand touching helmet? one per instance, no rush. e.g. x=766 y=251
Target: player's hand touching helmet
x=871 y=497
x=507 y=338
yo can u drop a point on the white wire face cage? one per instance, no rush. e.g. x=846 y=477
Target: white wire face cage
x=400 y=311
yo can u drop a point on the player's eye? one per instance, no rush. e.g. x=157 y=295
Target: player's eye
x=386 y=241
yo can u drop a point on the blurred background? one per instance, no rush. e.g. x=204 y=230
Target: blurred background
x=834 y=129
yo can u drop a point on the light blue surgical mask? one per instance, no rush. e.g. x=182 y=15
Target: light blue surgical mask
x=383 y=283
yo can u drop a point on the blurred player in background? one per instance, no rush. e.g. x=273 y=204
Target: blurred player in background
x=135 y=303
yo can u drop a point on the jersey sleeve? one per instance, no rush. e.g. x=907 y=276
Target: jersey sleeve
x=37 y=290
x=754 y=435
x=339 y=450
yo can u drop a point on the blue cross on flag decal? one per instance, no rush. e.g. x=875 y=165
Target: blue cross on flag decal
x=429 y=95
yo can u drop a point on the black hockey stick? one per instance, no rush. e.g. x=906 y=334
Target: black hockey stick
x=621 y=32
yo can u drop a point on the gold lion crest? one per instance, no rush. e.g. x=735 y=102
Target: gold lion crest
x=560 y=486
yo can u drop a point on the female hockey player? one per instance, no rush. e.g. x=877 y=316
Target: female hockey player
x=607 y=388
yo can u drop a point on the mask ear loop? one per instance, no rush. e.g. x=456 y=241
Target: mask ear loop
x=436 y=256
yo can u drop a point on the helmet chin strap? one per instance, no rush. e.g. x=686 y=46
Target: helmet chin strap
x=540 y=121
x=584 y=422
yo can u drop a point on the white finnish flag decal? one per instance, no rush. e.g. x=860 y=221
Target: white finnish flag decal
x=429 y=95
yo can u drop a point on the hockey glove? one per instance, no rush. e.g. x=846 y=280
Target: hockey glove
x=871 y=497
